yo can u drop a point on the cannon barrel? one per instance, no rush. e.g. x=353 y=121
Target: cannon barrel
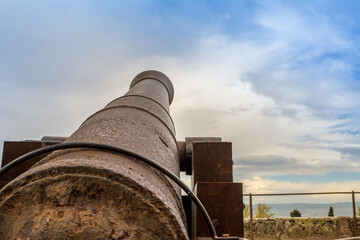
x=91 y=194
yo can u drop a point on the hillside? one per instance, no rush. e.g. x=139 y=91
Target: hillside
x=312 y=210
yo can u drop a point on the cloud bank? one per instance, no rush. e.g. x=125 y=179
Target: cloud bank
x=277 y=79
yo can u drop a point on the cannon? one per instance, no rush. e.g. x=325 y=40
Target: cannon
x=115 y=177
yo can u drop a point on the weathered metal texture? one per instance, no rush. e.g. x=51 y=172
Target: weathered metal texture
x=154 y=93
x=212 y=162
x=14 y=149
x=145 y=104
x=223 y=200
x=212 y=180
x=189 y=142
x=186 y=150
x=52 y=139
x=185 y=160
x=89 y=194
x=186 y=201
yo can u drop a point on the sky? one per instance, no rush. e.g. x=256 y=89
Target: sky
x=278 y=79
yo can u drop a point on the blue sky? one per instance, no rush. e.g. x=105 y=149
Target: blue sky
x=279 y=79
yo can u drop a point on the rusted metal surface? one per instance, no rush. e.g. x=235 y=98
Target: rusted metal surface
x=251 y=218
x=14 y=149
x=354 y=214
x=185 y=160
x=223 y=200
x=189 y=142
x=186 y=201
x=146 y=104
x=52 y=139
x=212 y=180
x=186 y=150
x=212 y=162
x=146 y=85
x=90 y=194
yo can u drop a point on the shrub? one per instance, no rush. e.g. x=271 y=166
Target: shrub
x=263 y=211
x=331 y=212
x=295 y=213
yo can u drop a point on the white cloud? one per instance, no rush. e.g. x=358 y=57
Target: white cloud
x=276 y=93
x=304 y=27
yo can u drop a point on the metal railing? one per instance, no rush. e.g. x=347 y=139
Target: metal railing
x=251 y=195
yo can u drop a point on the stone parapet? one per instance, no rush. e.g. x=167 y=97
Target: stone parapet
x=319 y=228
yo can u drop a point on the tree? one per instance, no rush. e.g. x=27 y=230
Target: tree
x=331 y=212
x=247 y=212
x=358 y=213
x=263 y=211
x=295 y=213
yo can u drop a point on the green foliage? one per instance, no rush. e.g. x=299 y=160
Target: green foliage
x=263 y=211
x=247 y=212
x=358 y=212
x=331 y=212
x=295 y=213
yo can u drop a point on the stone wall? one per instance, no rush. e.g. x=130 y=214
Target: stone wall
x=302 y=228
